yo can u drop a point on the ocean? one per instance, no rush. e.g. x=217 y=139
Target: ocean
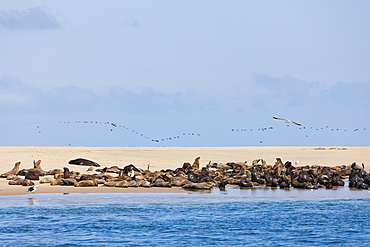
x=234 y=217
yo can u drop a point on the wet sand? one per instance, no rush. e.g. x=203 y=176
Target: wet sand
x=6 y=189
x=231 y=193
x=163 y=158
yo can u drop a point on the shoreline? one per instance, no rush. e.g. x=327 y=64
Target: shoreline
x=9 y=190
x=232 y=192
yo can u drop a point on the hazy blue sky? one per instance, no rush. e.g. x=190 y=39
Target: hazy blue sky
x=168 y=68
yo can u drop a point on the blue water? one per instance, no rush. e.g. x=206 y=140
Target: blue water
x=231 y=218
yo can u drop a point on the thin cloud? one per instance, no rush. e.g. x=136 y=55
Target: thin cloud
x=18 y=97
x=70 y=99
x=15 y=97
x=34 y=19
x=350 y=94
x=285 y=91
x=149 y=100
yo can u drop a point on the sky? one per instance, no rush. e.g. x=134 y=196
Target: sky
x=184 y=73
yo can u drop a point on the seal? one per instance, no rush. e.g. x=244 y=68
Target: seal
x=161 y=183
x=144 y=183
x=323 y=179
x=192 y=178
x=13 y=171
x=56 y=182
x=222 y=184
x=245 y=183
x=37 y=167
x=45 y=180
x=128 y=169
x=11 y=177
x=179 y=182
x=256 y=177
x=362 y=185
x=198 y=186
x=86 y=183
x=367 y=180
x=196 y=163
x=17 y=181
x=122 y=184
x=270 y=181
x=83 y=162
x=33 y=175
x=27 y=182
x=284 y=182
x=67 y=173
x=69 y=181
x=336 y=180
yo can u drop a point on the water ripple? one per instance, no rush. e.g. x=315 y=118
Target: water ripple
x=178 y=220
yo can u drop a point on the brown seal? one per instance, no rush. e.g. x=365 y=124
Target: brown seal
x=27 y=182
x=198 y=186
x=37 y=167
x=86 y=183
x=17 y=181
x=13 y=171
x=33 y=175
x=11 y=177
x=122 y=184
x=196 y=163
x=45 y=180
x=112 y=169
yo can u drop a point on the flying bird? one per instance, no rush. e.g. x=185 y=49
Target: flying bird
x=287 y=121
x=27 y=11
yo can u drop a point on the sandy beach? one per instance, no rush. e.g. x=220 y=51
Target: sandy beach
x=163 y=158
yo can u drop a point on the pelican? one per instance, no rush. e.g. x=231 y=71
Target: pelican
x=286 y=120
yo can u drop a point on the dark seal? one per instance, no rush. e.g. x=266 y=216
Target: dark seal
x=83 y=162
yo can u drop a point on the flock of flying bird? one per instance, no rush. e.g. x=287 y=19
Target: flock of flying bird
x=113 y=125
x=298 y=124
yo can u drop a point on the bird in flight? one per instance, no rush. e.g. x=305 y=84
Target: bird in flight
x=286 y=120
x=26 y=11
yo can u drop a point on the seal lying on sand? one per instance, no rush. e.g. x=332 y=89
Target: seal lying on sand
x=284 y=175
x=83 y=162
x=128 y=169
x=13 y=171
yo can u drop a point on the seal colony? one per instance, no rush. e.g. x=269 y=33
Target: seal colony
x=192 y=176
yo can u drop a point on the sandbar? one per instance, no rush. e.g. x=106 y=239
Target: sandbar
x=158 y=158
